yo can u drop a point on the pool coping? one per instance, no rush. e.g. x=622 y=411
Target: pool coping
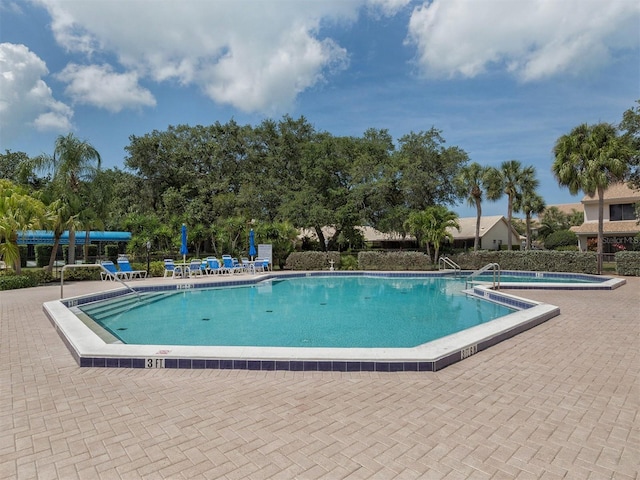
x=90 y=351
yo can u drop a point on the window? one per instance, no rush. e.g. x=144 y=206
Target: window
x=623 y=211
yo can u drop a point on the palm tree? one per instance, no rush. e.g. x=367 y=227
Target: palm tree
x=418 y=225
x=513 y=180
x=73 y=162
x=18 y=212
x=530 y=203
x=441 y=220
x=589 y=159
x=471 y=181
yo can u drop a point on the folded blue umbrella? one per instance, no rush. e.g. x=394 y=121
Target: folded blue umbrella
x=252 y=244
x=183 y=247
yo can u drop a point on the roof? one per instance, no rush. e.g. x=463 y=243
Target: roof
x=468 y=226
x=44 y=237
x=467 y=230
x=566 y=208
x=370 y=234
x=619 y=227
x=618 y=191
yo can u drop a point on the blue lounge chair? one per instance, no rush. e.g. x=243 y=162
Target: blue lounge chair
x=171 y=268
x=213 y=266
x=195 y=267
x=266 y=264
x=112 y=273
x=229 y=265
x=125 y=266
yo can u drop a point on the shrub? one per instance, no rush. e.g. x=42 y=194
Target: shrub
x=348 y=262
x=111 y=252
x=390 y=261
x=23 y=255
x=39 y=276
x=43 y=254
x=11 y=282
x=312 y=260
x=561 y=238
x=628 y=263
x=156 y=269
x=567 y=248
x=532 y=260
x=82 y=274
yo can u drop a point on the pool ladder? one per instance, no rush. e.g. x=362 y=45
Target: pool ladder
x=494 y=267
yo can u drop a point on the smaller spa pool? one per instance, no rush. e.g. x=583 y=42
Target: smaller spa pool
x=537 y=279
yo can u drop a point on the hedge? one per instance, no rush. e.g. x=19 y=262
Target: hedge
x=628 y=263
x=393 y=261
x=43 y=255
x=111 y=252
x=312 y=260
x=11 y=282
x=532 y=260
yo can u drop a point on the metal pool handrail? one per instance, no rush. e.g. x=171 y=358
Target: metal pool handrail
x=490 y=266
x=443 y=262
x=91 y=265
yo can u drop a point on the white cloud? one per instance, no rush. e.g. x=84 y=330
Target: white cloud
x=253 y=55
x=533 y=40
x=100 y=86
x=26 y=101
x=388 y=7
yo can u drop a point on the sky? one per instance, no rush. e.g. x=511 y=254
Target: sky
x=500 y=79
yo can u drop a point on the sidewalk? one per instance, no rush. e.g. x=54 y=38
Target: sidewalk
x=558 y=401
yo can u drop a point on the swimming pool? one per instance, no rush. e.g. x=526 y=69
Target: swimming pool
x=93 y=346
x=318 y=311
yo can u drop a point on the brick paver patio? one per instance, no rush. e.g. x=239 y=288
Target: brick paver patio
x=558 y=401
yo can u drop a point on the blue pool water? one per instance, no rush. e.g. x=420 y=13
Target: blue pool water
x=539 y=277
x=368 y=312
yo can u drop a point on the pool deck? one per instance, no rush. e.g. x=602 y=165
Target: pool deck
x=558 y=401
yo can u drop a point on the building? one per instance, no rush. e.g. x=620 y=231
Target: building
x=45 y=237
x=620 y=223
x=494 y=232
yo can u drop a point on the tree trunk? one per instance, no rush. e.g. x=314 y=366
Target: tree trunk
x=321 y=239
x=72 y=246
x=17 y=264
x=528 y=222
x=54 y=251
x=509 y=215
x=85 y=249
x=600 y=228
x=476 y=242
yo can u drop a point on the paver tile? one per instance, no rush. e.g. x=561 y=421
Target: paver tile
x=558 y=401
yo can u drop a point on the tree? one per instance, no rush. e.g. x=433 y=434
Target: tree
x=18 y=212
x=552 y=220
x=418 y=225
x=427 y=169
x=589 y=159
x=472 y=181
x=431 y=226
x=512 y=180
x=630 y=126
x=73 y=162
x=530 y=203
x=441 y=222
